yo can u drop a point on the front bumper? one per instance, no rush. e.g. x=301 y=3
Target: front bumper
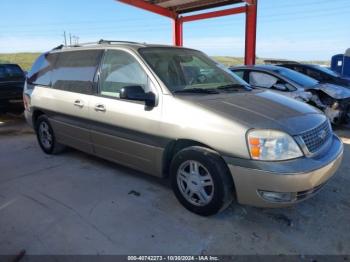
x=303 y=177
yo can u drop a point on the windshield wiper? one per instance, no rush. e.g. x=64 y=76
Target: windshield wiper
x=234 y=87
x=198 y=91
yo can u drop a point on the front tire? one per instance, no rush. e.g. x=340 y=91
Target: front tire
x=201 y=181
x=46 y=137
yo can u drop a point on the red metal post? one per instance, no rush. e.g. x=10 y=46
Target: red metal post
x=250 y=32
x=178 y=32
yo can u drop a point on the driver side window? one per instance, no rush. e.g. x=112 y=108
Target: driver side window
x=262 y=80
x=120 y=69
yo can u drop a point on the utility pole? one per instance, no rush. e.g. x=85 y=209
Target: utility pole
x=65 y=38
x=70 y=39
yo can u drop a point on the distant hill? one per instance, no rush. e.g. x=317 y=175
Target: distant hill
x=234 y=61
x=25 y=60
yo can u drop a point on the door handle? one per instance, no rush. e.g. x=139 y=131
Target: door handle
x=100 y=108
x=78 y=103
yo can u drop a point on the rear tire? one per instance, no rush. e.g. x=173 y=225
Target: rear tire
x=201 y=180
x=46 y=137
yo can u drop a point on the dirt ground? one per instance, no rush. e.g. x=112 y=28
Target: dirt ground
x=74 y=203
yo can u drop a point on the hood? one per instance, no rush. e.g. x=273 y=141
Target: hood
x=346 y=78
x=344 y=81
x=263 y=109
x=335 y=91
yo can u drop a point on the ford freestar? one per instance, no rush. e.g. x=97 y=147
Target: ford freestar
x=173 y=111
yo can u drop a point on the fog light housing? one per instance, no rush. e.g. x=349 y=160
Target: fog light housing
x=277 y=197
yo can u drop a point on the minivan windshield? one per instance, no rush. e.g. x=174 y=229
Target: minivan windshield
x=296 y=77
x=186 y=70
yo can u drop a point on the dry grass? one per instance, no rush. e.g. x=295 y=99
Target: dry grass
x=25 y=60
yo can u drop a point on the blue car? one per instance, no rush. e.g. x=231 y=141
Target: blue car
x=321 y=74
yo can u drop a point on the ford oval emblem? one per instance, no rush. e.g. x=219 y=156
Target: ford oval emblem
x=322 y=134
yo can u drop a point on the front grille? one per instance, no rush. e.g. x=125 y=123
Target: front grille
x=315 y=138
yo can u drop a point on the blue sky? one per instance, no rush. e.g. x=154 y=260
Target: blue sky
x=291 y=29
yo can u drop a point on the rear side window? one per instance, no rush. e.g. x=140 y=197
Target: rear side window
x=74 y=71
x=40 y=74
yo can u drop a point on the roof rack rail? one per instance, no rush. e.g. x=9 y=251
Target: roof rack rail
x=83 y=44
x=58 y=47
x=102 y=41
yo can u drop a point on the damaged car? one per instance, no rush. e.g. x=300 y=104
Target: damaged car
x=322 y=74
x=332 y=99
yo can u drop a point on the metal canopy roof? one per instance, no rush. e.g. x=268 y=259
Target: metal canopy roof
x=174 y=9
x=186 y=6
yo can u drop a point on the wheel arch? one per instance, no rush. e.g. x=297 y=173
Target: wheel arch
x=35 y=116
x=172 y=148
x=175 y=146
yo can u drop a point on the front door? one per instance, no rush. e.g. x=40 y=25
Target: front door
x=126 y=131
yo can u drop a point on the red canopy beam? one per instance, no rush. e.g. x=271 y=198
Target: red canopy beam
x=225 y=12
x=149 y=7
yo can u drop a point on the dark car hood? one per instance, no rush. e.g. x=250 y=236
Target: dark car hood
x=344 y=80
x=262 y=109
x=335 y=91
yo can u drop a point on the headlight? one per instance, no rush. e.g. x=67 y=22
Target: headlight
x=272 y=145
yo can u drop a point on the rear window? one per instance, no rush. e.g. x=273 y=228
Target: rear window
x=40 y=74
x=74 y=71
x=14 y=71
x=2 y=72
x=11 y=72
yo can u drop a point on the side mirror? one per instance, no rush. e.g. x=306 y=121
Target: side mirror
x=137 y=93
x=280 y=87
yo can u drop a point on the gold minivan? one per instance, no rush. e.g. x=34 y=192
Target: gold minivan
x=170 y=111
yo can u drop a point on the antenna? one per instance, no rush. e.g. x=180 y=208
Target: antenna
x=65 y=38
